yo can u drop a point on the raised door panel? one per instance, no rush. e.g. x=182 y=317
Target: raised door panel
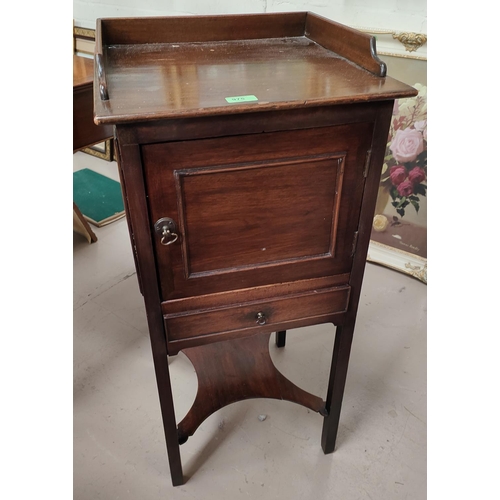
x=256 y=209
x=241 y=216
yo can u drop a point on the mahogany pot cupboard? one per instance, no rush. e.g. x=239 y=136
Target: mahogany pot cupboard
x=250 y=149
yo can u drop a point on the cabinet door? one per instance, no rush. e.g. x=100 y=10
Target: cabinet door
x=256 y=209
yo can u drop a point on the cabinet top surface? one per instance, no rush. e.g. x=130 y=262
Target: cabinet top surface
x=83 y=71
x=287 y=65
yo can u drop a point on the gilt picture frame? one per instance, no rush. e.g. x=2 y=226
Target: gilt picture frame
x=399 y=232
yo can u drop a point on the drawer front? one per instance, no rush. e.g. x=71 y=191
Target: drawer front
x=258 y=314
x=254 y=210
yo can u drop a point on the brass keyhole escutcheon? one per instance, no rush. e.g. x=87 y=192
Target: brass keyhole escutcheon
x=166 y=229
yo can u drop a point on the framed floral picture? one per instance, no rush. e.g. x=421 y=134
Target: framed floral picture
x=399 y=232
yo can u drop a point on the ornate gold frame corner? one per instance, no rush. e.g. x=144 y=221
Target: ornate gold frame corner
x=399 y=260
x=83 y=41
x=108 y=154
x=411 y=41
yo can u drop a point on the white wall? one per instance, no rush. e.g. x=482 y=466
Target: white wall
x=395 y=15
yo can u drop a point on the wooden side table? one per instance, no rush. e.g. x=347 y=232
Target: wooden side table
x=250 y=149
x=85 y=131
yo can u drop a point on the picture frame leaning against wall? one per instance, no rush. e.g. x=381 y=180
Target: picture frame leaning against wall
x=399 y=232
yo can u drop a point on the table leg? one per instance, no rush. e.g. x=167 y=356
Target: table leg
x=338 y=375
x=281 y=338
x=168 y=415
x=85 y=224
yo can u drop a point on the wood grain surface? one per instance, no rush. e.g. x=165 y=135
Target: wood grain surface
x=272 y=199
x=236 y=370
x=188 y=66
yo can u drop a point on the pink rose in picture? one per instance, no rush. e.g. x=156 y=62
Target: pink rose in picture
x=407 y=145
x=404 y=173
x=405 y=188
x=416 y=175
x=397 y=175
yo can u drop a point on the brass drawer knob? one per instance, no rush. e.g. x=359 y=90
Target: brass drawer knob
x=261 y=318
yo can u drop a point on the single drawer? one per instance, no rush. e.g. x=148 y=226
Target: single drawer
x=257 y=314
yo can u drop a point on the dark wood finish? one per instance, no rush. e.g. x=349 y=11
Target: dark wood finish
x=280 y=339
x=236 y=370
x=227 y=194
x=182 y=77
x=195 y=29
x=348 y=42
x=83 y=72
x=335 y=393
x=85 y=131
x=138 y=220
x=344 y=333
x=243 y=316
x=201 y=127
x=254 y=294
x=272 y=200
x=174 y=346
